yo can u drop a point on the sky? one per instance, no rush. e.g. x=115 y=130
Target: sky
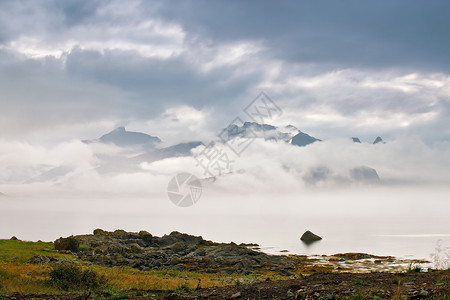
x=183 y=70
x=78 y=69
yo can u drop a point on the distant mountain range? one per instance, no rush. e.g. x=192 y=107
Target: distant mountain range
x=289 y=134
x=376 y=141
x=141 y=147
x=123 y=138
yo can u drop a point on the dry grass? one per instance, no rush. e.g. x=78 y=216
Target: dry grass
x=16 y=275
x=24 y=278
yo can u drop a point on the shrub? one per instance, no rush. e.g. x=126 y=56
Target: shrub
x=441 y=256
x=84 y=248
x=396 y=280
x=414 y=268
x=74 y=277
x=183 y=288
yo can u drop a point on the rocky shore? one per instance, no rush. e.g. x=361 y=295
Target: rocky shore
x=183 y=252
x=177 y=251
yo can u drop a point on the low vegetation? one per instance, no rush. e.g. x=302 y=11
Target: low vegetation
x=35 y=268
x=66 y=274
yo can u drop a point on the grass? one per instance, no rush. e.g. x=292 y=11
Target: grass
x=413 y=268
x=73 y=276
x=357 y=296
x=17 y=275
x=21 y=252
x=183 y=288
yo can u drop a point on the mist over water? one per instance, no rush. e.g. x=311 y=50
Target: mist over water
x=397 y=221
x=273 y=193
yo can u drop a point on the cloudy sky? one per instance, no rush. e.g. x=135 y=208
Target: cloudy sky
x=78 y=69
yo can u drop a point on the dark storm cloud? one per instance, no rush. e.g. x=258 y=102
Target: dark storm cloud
x=77 y=12
x=410 y=34
x=155 y=83
x=133 y=60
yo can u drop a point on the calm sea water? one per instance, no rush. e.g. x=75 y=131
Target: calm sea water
x=401 y=222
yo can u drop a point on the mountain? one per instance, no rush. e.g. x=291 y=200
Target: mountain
x=178 y=150
x=302 y=139
x=364 y=174
x=356 y=140
x=378 y=140
x=51 y=175
x=256 y=130
x=123 y=138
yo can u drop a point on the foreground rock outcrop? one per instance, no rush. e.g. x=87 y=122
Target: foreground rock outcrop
x=176 y=251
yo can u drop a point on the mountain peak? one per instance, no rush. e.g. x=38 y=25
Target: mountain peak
x=254 y=129
x=302 y=139
x=378 y=140
x=121 y=137
x=120 y=129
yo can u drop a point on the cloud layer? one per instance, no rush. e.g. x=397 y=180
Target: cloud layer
x=78 y=68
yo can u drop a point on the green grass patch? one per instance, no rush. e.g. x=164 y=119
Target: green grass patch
x=21 y=252
x=414 y=268
x=17 y=275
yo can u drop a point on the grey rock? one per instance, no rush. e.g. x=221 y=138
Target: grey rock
x=308 y=237
x=41 y=259
x=70 y=243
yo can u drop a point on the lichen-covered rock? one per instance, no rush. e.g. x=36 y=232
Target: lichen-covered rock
x=176 y=251
x=70 y=243
x=41 y=259
x=99 y=231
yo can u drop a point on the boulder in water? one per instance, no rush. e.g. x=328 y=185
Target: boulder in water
x=308 y=237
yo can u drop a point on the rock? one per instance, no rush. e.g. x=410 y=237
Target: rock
x=14 y=238
x=120 y=233
x=135 y=248
x=99 y=231
x=41 y=259
x=423 y=293
x=178 y=247
x=176 y=251
x=235 y=295
x=308 y=237
x=70 y=243
x=144 y=233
